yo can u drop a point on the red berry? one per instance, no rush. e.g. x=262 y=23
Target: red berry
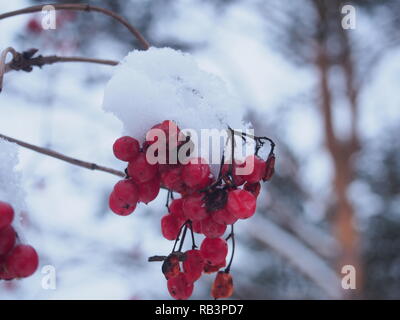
x=238 y=180
x=254 y=188
x=180 y=287
x=6 y=274
x=269 y=168
x=222 y=286
x=22 y=261
x=214 y=251
x=196 y=174
x=126 y=148
x=194 y=207
x=6 y=214
x=149 y=190
x=257 y=167
x=7 y=239
x=127 y=191
x=212 y=229
x=120 y=207
x=170 y=227
x=176 y=210
x=241 y=203
x=209 y=268
x=170 y=267
x=196 y=225
x=223 y=216
x=34 y=26
x=172 y=179
x=171 y=131
x=193 y=265
x=141 y=170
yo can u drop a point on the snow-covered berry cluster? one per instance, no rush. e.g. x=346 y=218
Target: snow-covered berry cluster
x=205 y=196
x=17 y=260
x=206 y=204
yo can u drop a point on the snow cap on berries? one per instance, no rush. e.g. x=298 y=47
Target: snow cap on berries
x=158 y=84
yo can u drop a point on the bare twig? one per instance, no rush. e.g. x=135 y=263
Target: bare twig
x=25 y=61
x=3 y=65
x=86 y=8
x=181 y=257
x=43 y=60
x=54 y=154
x=232 y=236
x=157 y=258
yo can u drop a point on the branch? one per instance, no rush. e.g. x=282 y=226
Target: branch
x=181 y=257
x=86 y=8
x=54 y=154
x=3 y=65
x=323 y=244
x=301 y=257
x=25 y=61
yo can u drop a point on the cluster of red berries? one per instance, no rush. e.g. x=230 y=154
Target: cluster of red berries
x=182 y=270
x=16 y=260
x=207 y=205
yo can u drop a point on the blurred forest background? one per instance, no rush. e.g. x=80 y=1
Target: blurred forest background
x=327 y=95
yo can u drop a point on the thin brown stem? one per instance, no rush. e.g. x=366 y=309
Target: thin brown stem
x=3 y=65
x=25 y=61
x=54 y=154
x=86 y=8
x=232 y=236
x=54 y=59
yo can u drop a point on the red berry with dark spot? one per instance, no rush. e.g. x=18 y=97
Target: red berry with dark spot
x=127 y=191
x=211 y=229
x=180 y=287
x=140 y=170
x=7 y=239
x=194 y=207
x=193 y=265
x=6 y=214
x=214 y=251
x=222 y=286
x=170 y=227
x=241 y=203
x=126 y=148
x=120 y=207
x=22 y=261
x=170 y=267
